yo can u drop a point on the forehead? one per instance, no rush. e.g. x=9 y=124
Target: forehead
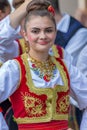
x=39 y=21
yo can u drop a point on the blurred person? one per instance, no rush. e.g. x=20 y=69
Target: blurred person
x=73 y=33
x=81 y=15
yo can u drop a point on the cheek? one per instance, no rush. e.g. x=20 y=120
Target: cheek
x=53 y=36
x=30 y=38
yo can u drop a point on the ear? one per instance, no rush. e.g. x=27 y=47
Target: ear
x=25 y=35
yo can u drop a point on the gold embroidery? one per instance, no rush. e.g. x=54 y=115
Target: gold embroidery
x=0 y=64
x=33 y=105
x=55 y=51
x=22 y=44
x=63 y=75
x=64 y=104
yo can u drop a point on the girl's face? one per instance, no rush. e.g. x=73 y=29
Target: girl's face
x=40 y=33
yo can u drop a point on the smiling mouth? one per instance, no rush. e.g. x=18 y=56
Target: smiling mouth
x=43 y=43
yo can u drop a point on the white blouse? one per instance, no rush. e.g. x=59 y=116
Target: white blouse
x=9 y=47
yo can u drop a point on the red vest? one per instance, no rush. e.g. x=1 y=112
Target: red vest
x=0 y=109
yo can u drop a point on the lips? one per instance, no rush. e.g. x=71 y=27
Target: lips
x=43 y=43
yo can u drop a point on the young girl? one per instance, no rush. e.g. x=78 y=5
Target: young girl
x=39 y=84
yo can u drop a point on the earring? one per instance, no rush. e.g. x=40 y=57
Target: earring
x=26 y=47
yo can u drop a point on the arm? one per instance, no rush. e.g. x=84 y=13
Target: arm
x=9 y=79
x=79 y=92
x=78 y=84
x=9 y=30
x=9 y=25
x=17 y=16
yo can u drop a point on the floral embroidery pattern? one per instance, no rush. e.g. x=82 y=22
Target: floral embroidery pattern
x=42 y=75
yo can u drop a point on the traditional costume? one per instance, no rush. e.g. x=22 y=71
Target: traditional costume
x=40 y=105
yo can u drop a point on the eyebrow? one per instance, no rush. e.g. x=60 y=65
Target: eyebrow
x=45 y=28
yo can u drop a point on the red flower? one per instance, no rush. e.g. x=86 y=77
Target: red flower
x=33 y=65
x=51 y=9
x=46 y=78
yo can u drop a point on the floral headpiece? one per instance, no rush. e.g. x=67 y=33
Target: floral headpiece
x=51 y=9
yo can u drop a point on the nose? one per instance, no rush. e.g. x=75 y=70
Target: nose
x=43 y=35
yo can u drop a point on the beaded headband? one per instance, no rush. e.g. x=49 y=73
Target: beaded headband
x=51 y=9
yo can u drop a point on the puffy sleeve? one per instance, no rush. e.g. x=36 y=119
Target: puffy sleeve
x=6 y=31
x=78 y=91
x=9 y=47
x=78 y=85
x=9 y=79
x=82 y=60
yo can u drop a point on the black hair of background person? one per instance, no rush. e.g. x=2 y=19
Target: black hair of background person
x=4 y=4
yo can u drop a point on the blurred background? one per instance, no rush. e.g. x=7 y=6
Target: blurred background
x=70 y=6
